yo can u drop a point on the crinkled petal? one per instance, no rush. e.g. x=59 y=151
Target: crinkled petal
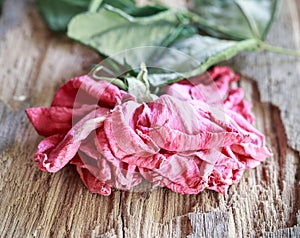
x=54 y=120
x=223 y=76
x=177 y=126
x=178 y=173
x=89 y=180
x=60 y=154
x=123 y=175
x=85 y=90
x=122 y=138
x=212 y=87
x=235 y=102
x=44 y=148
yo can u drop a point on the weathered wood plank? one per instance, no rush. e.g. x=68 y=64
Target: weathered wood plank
x=34 y=62
x=278 y=75
x=285 y=233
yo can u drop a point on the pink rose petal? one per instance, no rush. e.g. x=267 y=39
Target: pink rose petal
x=61 y=153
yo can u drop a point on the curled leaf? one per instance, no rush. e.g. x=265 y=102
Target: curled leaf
x=194 y=55
x=110 y=31
x=58 y=13
x=235 y=19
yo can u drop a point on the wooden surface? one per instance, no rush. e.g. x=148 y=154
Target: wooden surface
x=35 y=62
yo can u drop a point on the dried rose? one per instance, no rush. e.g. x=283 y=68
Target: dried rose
x=176 y=141
x=235 y=158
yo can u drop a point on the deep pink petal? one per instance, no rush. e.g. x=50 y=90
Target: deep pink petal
x=235 y=102
x=44 y=148
x=60 y=154
x=55 y=120
x=212 y=87
x=223 y=76
x=89 y=180
x=85 y=90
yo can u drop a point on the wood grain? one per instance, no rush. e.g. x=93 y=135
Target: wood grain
x=35 y=62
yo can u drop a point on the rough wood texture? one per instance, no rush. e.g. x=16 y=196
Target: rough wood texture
x=35 y=62
x=278 y=75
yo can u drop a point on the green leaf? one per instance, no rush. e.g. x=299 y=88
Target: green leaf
x=193 y=56
x=110 y=31
x=129 y=7
x=58 y=13
x=235 y=19
x=125 y=5
x=185 y=58
x=145 y=11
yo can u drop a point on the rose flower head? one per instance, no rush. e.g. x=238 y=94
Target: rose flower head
x=182 y=139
